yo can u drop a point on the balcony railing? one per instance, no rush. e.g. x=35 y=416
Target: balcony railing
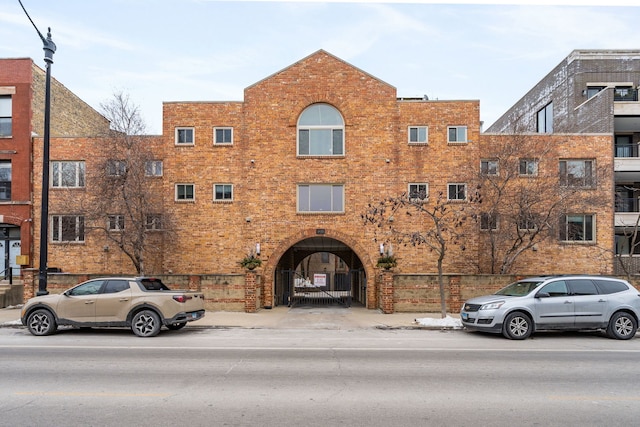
x=627 y=204
x=626 y=150
x=625 y=94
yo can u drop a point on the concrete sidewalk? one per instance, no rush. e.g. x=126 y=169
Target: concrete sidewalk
x=300 y=318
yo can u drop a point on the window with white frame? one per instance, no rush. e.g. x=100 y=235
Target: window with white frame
x=488 y=221
x=153 y=168
x=67 y=228
x=489 y=167
x=6 y=119
x=457 y=134
x=67 y=174
x=418 y=191
x=116 y=168
x=325 y=198
x=153 y=222
x=320 y=131
x=577 y=228
x=115 y=222
x=185 y=136
x=577 y=173
x=185 y=192
x=528 y=167
x=545 y=119
x=418 y=134
x=223 y=192
x=222 y=135
x=527 y=221
x=5 y=180
x=456 y=191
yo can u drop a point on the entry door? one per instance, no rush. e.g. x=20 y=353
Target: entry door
x=14 y=251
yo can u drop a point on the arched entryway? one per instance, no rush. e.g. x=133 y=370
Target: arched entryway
x=320 y=270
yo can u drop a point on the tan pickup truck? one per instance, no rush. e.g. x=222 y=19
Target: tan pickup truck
x=143 y=304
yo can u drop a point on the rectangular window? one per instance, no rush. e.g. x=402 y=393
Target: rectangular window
x=185 y=136
x=418 y=134
x=67 y=228
x=185 y=192
x=577 y=228
x=489 y=167
x=527 y=221
x=116 y=168
x=320 y=142
x=528 y=167
x=593 y=91
x=5 y=180
x=457 y=192
x=115 y=222
x=457 y=133
x=223 y=135
x=67 y=174
x=418 y=192
x=153 y=168
x=321 y=198
x=223 y=192
x=488 y=221
x=153 y=222
x=577 y=173
x=545 y=119
x=5 y=116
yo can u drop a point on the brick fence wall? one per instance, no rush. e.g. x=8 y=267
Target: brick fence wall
x=407 y=293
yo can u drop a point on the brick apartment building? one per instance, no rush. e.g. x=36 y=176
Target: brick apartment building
x=594 y=92
x=290 y=170
x=22 y=87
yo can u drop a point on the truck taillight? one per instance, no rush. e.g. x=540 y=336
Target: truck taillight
x=181 y=298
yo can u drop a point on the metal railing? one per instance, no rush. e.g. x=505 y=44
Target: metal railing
x=7 y=274
x=626 y=150
x=627 y=204
x=625 y=94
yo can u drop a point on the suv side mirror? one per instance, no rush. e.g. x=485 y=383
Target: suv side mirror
x=542 y=295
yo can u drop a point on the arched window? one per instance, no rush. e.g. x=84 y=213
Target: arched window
x=320 y=131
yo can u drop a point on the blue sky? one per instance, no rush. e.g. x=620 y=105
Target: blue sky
x=210 y=50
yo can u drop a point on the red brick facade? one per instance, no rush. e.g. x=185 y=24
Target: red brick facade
x=264 y=168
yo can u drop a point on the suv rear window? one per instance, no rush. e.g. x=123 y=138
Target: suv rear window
x=153 y=285
x=610 y=286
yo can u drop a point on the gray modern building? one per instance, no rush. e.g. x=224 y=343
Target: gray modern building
x=594 y=91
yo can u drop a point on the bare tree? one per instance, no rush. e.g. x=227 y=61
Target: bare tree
x=126 y=199
x=526 y=192
x=441 y=222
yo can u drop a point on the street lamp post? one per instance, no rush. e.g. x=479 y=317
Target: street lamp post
x=49 y=49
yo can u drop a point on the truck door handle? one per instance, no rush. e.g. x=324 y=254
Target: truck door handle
x=89 y=302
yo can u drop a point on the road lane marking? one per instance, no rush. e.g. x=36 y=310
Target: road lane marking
x=87 y=394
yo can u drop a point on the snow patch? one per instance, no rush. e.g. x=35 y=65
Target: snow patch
x=447 y=322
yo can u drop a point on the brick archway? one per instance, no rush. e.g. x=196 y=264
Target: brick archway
x=271 y=265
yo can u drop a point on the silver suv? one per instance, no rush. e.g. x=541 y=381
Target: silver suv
x=556 y=303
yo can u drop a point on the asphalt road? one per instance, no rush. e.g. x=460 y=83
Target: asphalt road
x=363 y=377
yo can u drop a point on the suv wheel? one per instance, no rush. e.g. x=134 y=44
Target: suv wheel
x=41 y=322
x=145 y=323
x=622 y=326
x=517 y=326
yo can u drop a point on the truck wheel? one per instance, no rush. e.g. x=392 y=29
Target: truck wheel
x=41 y=322
x=146 y=323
